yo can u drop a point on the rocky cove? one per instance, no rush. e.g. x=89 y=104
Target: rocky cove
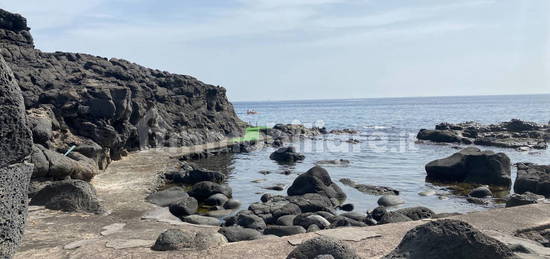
x=85 y=140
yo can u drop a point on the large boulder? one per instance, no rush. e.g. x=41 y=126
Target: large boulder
x=15 y=146
x=286 y=155
x=316 y=180
x=533 y=178
x=448 y=239
x=70 y=196
x=51 y=164
x=471 y=165
x=323 y=246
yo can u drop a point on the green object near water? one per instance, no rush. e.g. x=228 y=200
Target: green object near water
x=251 y=133
x=70 y=149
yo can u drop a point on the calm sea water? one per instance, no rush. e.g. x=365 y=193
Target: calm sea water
x=388 y=154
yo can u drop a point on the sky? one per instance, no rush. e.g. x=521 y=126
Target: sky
x=313 y=49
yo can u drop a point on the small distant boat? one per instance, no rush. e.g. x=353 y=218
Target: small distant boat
x=251 y=111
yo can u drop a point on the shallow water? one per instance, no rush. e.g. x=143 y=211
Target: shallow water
x=388 y=154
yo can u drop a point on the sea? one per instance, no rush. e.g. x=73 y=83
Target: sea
x=388 y=153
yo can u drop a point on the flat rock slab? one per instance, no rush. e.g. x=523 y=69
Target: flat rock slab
x=534 y=249
x=111 y=229
x=162 y=215
x=344 y=234
x=79 y=243
x=129 y=243
x=349 y=234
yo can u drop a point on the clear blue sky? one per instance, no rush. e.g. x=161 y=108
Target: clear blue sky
x=313 y=49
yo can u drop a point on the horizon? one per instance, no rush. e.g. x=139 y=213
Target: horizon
x=314 y=49
x=396 y=97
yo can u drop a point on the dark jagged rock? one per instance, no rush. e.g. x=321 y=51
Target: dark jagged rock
x=448 y=239
x=286 y=155
x=323 y=246
x=512 y=134
x=533 y=178
x=525 y=198
x=471 y=165
x=316 y=180
x=369 y=189
x=68 y=195
x=15 y=147
x=114 y=103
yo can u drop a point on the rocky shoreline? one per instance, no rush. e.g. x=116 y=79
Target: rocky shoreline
x=70 y=117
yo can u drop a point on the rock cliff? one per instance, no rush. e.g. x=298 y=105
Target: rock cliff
x=107 y=107
x=15 y=172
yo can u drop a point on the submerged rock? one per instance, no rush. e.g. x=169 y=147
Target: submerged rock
x=70 y=196
x=286 y=155
x=369 y=189
x=323 y=246
x=481 y=192
x=448 y=239
x=471 y=165
x=390 y=200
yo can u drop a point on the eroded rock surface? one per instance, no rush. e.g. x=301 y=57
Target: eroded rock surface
x=449 y=239
x=15 y=147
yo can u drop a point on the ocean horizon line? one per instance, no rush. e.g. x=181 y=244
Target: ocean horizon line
x=389 y=98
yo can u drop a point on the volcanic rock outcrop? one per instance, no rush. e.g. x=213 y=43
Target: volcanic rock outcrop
x=15 y=147
x=107 y=107
x=511 y=134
